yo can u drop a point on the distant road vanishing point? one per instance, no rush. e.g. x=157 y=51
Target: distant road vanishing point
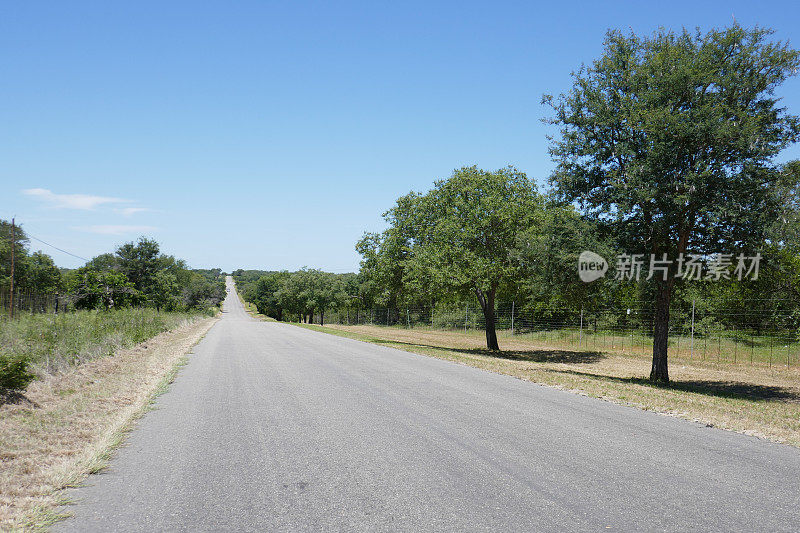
x=272 y=427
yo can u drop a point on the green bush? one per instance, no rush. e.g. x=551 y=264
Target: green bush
x=454 y=318
x=14 y=374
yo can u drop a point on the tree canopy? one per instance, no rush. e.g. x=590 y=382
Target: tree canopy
x=670 y=140
x=459 y=237
x=137 y=273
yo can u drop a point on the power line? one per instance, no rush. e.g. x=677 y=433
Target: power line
x=57 y=248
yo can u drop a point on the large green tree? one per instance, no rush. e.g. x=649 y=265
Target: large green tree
x=266 y=294
x=150 y=271
x=670 y=139
x=139 y=261
x=34 y=272
x=41 y=274
x=460 y=237
x=547 y=250
x=20 y=254
x=96 y=289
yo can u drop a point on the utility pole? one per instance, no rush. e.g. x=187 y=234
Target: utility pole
x=13 y=249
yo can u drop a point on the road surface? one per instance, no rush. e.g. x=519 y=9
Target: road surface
x=272 y=427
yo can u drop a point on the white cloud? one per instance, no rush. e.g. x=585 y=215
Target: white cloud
x=130 y=211
x=71 y=201
x=116 y=229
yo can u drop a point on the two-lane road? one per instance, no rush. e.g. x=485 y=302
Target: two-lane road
x=272 y=427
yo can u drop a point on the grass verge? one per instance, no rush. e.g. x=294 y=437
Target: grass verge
x=53 y=343
x=757 y=400
x=69 y=423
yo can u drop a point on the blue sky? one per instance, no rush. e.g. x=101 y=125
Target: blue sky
x=272 y=135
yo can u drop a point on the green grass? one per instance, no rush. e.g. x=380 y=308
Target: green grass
x=55 y=342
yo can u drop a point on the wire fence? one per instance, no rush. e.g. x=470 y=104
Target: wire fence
x=757 y=337
x=33 y=303
x=764 y=337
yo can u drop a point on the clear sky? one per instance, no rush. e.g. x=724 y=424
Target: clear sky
x=273 y=134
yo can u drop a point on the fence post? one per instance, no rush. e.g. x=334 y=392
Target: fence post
x=691 y=352
x=512 y=318
x=408 y=318
x=11 y=279
x=771 y=345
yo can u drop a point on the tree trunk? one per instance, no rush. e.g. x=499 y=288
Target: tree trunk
x=487 y=306
x=280 y=315
x=659 y=372
x=322 y=317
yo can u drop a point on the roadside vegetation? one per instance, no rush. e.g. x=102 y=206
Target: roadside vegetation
x=665 y=150
x=58 y=318
x=80 y=359
x=52 y=343
x=69 y=423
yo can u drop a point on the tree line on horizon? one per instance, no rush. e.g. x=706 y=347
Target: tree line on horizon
x=136 y=274
x=666 y=145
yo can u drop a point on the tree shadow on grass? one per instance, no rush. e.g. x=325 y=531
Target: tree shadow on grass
x=16 y=398
x=535 y=356
x=738 y=390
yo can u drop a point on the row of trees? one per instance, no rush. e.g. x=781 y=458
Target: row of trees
x=666 y=145
x=136 y=274
x=301 y=294
x=33 y=271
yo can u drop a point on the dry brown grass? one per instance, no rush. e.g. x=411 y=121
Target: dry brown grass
x=753 y=399
x=70 y=422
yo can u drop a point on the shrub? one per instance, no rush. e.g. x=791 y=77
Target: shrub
x=14 y=374
x=454 y=318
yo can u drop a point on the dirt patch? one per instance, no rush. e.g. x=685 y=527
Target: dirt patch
x=67 y=424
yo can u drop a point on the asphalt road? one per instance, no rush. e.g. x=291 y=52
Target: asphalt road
x=271 y=427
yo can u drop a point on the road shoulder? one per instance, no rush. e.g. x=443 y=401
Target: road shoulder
x=71 y=423
x=766 y=407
